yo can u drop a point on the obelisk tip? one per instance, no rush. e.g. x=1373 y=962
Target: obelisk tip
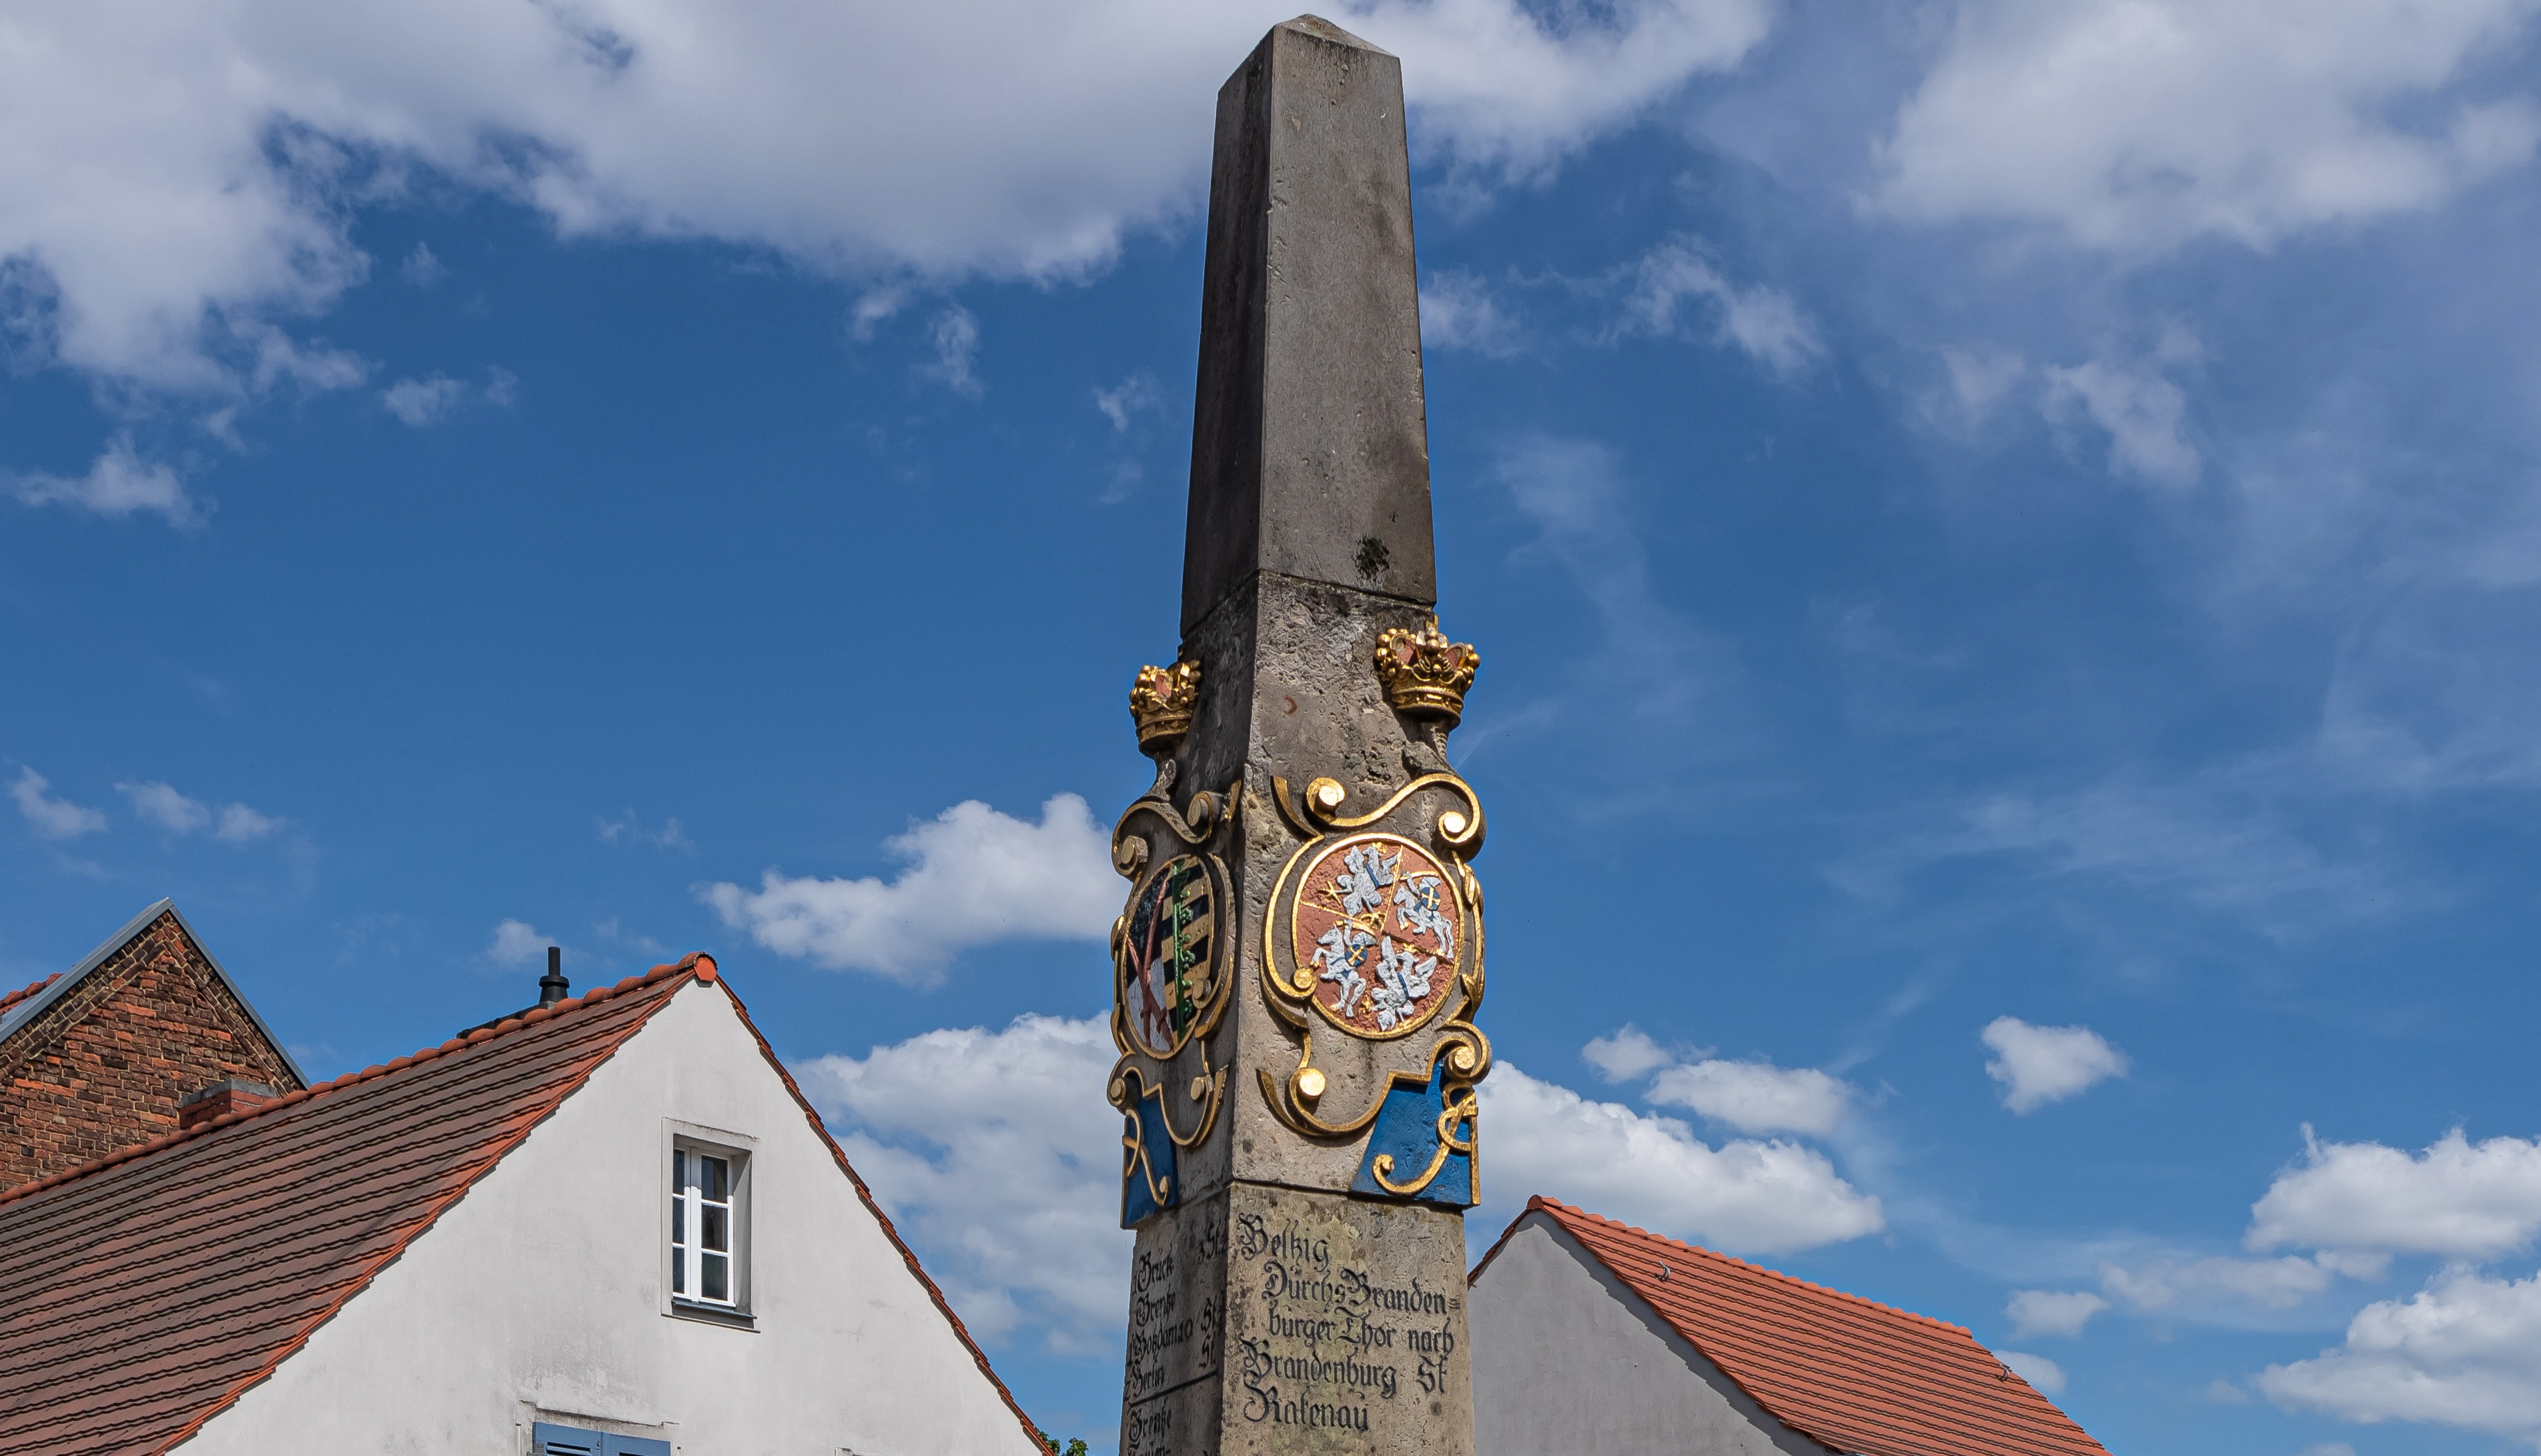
x=1324 y=29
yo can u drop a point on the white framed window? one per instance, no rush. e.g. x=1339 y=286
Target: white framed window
x=708 y=1225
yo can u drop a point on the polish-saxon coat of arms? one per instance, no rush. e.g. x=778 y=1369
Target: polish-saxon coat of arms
x=1374 y=933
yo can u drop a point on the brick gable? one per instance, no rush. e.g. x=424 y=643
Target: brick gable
x=102 y=1063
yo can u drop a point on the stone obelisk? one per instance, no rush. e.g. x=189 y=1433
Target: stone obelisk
x=1300 y=957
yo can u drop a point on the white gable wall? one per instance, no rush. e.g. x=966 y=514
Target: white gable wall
x=538 y=1295
x=1565 y=1358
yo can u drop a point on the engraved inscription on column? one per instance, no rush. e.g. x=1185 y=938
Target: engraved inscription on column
x=1345 y=1327
x=1177 y=1331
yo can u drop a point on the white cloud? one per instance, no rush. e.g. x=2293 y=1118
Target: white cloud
x=118 y=482
x=2039 y=1065
x=2465 y=1350
x=421 y=268
x=1459 y=312
x=2140 y=410
x=626 y=828
x=1756 y=1096
x=2328 y=1448
x=240 y=824
x=1761 y=321
x=994 y=1150
x=162 y=807
x=172 y=187
x=160 y=804
x=2138 y=125
x=955 y=334
x=420 y=402
x=2052 y=1312
x=2038 y=1370
x=2456 y=1199
x=1626 y=1055
x=2270 y=1284
x=976 y=877
x=1747 y=1196
x=1129 y=397
x=518 y=943
x=50 y=817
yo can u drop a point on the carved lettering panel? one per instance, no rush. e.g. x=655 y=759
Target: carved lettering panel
x=1345 y=1327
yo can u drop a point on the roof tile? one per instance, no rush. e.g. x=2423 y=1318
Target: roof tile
x=132 y=1323
x=1851 y=1373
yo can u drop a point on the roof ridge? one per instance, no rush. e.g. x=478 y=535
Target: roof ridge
x=890 y=1231
x=1560 y=1207
x=699 y=963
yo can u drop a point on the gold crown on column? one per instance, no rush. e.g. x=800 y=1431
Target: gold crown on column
x=1162 y=701
x=1424 y=672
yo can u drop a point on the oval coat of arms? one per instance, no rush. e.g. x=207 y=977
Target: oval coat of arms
x=1168 y=958
x=1376 y=932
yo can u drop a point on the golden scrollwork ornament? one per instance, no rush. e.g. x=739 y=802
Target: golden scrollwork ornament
x=1374 y=933
x=1173 y=954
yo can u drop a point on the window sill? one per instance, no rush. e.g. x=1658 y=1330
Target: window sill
x=712 y=1314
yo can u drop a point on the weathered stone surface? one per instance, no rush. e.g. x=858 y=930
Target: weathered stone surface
x=1344 y=1329
x=1309 y=448
x=1273 y=1310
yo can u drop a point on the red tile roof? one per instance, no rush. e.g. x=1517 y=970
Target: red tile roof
x=1852 y=1374
x=23 y=992
x=131 y=1319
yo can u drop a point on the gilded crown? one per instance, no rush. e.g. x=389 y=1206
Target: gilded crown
x=1162 y=701
x=1424 y=672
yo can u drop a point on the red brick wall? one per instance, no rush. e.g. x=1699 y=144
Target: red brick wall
x=102 y=1068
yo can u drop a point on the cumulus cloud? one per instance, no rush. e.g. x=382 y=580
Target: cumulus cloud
x=420 y=402
x=1128 y=400
x=2465 y=1350
x=1748 y=1196
x=975 y=877
x=2138 y=125
x=2456 y=1199
x=246 y=131
x=2039 y=1065
x=1749 y=1096
x=2052 y=1312
x=1626 y=1055
x=164 y=808
x=956 y=336
x=2038 y=1370
x=118 y=482
x=996 y=1152
x=2200 y=1284
x=1458 y=310
x=2140 y=409
x=50 y=817
x=518 y=943
x=626 y=828
x=1675 y=279
x=1756 y=1096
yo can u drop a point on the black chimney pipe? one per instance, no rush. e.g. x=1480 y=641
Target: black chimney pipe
x=552 y=986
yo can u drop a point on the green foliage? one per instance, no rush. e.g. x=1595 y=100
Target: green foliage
x=1075 y=1445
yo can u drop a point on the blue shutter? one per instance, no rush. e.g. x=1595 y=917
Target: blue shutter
x=569 y=1440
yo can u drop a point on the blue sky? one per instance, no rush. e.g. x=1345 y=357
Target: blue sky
x=2003 y=537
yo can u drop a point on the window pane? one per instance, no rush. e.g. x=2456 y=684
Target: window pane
x=715 y=1180
x=715 y=1273
x=678 y=1220
x=678 y=1171
x=678 y=1272
x=714 y=1228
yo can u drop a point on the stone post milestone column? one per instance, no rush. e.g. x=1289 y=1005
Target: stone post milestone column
x=1300 y=959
